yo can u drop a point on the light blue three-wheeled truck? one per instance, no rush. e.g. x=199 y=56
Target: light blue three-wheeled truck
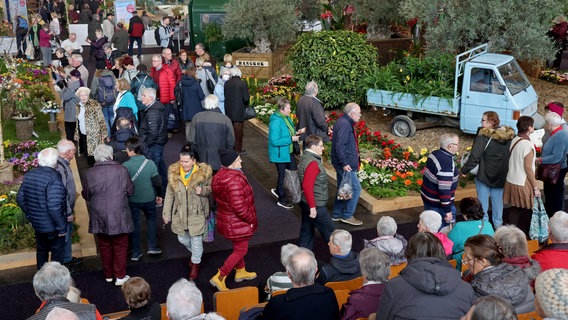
x=483 y=82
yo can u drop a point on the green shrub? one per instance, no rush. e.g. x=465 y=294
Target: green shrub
x=338 y=61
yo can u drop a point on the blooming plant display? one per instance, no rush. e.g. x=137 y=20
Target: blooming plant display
x=50 y=107
x=554 y=77
x=23 y=155
x=16 y=232
x=264 y=111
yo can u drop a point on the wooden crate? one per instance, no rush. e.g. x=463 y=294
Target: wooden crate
x=260 y=65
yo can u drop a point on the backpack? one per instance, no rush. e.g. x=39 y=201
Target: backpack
x=22 y=23
x=157 y=35
x=141 y=88
x=106 y=93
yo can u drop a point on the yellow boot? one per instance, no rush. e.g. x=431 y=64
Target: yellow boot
x=218 y=281
x=242 y=274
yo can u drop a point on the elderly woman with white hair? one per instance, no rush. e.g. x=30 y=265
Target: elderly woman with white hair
x=280 y=280
x=202 y=75
x=553 y=152
x=375 y=269
x=431 y=221
x=220 y=87
x=388 y=241
x=91 y=129
x=513 y=244
x=106 y=189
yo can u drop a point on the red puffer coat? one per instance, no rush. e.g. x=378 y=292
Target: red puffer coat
x=236 y=213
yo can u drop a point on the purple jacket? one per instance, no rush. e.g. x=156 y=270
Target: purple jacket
x=362 y=302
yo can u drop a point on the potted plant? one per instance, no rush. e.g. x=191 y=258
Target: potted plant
x=214 y=38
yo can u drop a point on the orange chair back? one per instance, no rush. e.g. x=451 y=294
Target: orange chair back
x=529 y=316
x=346 y=285
x=453 y=262
x=395 y=270
x=278 y=292
x=230 y=302
x=532 y=246
x=341 y=295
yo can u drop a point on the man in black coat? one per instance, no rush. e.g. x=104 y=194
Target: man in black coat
x=43 y=199
x=154 y=132
x=300 y=301
x=236 y=100
x=311 y=114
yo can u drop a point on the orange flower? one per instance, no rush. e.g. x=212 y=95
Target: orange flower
x=419 y=182
x=387 y=153
x=403 y=176
x=406 y=155
x=410 y=174
x=393 y=178
x=398 y=174
x=407 y=182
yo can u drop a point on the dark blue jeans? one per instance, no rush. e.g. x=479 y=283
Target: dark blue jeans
x=149 y=209
x=322 y=222
x=46 y=243
x=281 y=168
x=68 y=251
x=131 y=46
x=156 y=154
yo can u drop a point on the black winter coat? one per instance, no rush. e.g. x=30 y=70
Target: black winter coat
x=236 y=99
x=154 y=125
x=43 y=199
x=210 y=131
x=428 y=288
x=192 y=97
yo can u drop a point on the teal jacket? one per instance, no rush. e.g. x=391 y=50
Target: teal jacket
x=280 y=138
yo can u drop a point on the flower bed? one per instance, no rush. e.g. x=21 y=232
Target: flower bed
x=554 y=77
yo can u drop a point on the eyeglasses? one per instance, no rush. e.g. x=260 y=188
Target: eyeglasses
x=464 y=260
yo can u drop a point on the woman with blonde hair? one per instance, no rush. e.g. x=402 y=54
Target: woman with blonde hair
x=125 y=105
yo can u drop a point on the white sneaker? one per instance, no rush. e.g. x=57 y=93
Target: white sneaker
x=109 y=280
x=274 y=193
x=120 y=282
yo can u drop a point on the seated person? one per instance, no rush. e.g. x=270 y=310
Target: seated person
x=51 y=285
x=184 y=301
x=513 y=243
x=491 y=308
x=490 y=276
x=306 y=300
x=431 y=221
x=136 y=292
x=344 y=264
x=375 y=268
x=118 y=139
x=388 y=241
x=472 y=212
x=280 y=280
x=551 y=294
x=61 y=314
x=555 y=254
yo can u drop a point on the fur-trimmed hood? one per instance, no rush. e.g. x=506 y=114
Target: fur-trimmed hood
x=502 y=133
x=203 y=174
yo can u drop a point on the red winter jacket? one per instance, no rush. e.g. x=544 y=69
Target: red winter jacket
x=166 y=82
x=236 y=213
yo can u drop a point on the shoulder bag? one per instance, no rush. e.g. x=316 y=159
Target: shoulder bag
x=466 y=156
x=249 y=113
x=548 y=173
x=539 y=222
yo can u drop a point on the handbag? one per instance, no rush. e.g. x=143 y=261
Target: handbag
x=249 y=113
x=345 y=191
x=179 y=95
x=296 y=147
x=539 y=222
x=466 y=156
x=549 y=173
x=209 y=233
x=29 y=49
x=292 y=186
x=210 y=82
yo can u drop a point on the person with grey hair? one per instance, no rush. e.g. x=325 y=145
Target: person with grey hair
x=184 y=302
x=237 y=98
x=77 y=63
x=345 y=159
x=344 y=264
x=280 y=280
x=42 y=197
x=431 y=221
x=66 y=150
x=61 y=314
x=388 y=241
x=375 y=269
x=300 y=301
x=311 y=115
x=193 y=96
x=490 y=308
x=513 y=244
x=154 y=132
x=554 y=152
x=91 y=126
x=220 y=87
x=51 y=284
x=211 y=131
x=555 y=254
x=106 y=189
x=441 y=179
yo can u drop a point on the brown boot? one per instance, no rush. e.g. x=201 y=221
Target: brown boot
x=194 y=273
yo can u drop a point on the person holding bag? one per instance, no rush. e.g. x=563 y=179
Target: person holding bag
x=554 y=152
x=520 y=186
x=281 y=137
x=490 y=154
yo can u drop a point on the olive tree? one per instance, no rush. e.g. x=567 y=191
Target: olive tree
x=379 y=15
x=519 y=26
x=267 y=24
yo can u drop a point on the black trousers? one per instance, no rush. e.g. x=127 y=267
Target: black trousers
x=46 y=243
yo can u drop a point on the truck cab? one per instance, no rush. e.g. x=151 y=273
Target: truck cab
x=495 y=82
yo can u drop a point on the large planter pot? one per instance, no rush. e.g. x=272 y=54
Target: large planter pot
x=389 y=49
x=6 y=172
x=24 y=127
x=259 y=65
x=532 y=68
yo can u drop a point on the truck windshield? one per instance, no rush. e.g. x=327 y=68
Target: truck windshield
x=514 y=77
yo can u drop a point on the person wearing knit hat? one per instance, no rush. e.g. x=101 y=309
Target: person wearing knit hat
x=551 y=301
x=236 y=216
x=558 y=108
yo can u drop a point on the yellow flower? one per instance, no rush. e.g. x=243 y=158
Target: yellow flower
x=423 y=151
x=3 y=197
x=422 y=160
x=468 y=149
x=409 y=149
x=400 y=70
x=408 y=78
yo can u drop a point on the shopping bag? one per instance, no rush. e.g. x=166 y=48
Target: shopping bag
x=209 y=234
x=345 y=190
x=539 y=222
x=29 y=50
x=292 y=186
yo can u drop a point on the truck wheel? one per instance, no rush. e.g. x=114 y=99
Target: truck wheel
x=403 y=126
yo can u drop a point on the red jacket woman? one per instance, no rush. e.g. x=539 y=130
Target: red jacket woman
x=236 y=216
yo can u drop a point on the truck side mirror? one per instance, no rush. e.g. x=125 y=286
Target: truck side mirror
x=501 y=87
